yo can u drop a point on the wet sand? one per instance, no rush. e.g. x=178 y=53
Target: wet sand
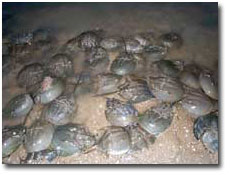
x=177 y=144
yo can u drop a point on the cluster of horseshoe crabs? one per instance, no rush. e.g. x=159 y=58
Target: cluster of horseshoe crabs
x=140 y=72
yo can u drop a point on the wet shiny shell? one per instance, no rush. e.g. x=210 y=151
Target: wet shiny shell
x=39 y=136
x=60 y=66
x=31 y=75
x=119 y=113
x=171 y=40
x=107 y=83
x=157 y=119
x=169 y=68
x=206 y=129
x=155 y=53
x=72 y=138
x=196 y=103
x=88 y=40
x=111 y=43
x=140 y=139
x=123 y=64
x=136 y=91
x=166 y=89
x=189 y=79
x=59 y=111
x=132 y=46
x=209 y=84
x=12 y=138
x=50 y=89
x=18 y=108
x=115 y=141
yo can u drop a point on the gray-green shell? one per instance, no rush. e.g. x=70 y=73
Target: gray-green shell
x=31 y=75
x=123 y=64
x=206 y=129
x=115 y=141
x=60 y=65
x=196 y=103
x=209 y=84
x=119 y=113
x=60 y=111
x=45 y=96
x=12 y=138
x=39 y=136
x=72 y=138
x=157 y=119
x=166 y=89
x=136 y=91
x=18 y=107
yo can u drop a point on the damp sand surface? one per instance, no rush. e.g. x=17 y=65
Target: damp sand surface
x=177 y=144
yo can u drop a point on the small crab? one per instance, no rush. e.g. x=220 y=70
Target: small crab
x=50 y=89
x=119 y=113
x=72 y=138
x=16 y=110
x=206 y=129
x=30 y=75
x=59 y=111
x=12 y=138
x=157 y=119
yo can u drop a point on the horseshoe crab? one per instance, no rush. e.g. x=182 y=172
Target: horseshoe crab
x=209 y=84
x=60 y=110
x=196 y=103
x=171 y=39
x=132 y=46
x=155 y=53
x=112 y=43
x=12 y=138
x=98 y=59
x=89 y=40
x=50 y=89
x=206 y=129
x=135 y=90
x=30 y=75
x=60 y=65
x=157 y=119
x=115 y=141
x=38 y=136
x=72 y=138
x=166 y=89
x=124 y=64
x=119 y=113
x=107 y=83
x=16 y=110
